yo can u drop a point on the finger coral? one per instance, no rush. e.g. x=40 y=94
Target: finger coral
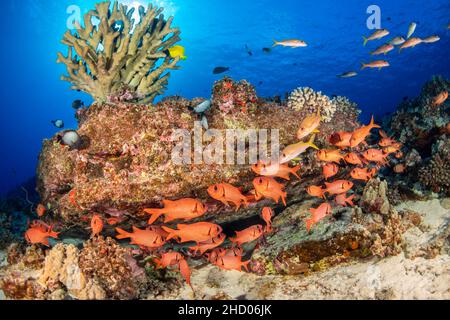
x=103 y=58
x=436 y=173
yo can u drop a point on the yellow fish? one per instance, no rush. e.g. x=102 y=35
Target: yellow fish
x=294 y=150
x=177 y=51
x=309 y=125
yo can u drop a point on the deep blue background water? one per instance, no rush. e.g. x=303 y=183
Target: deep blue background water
x=215 y=33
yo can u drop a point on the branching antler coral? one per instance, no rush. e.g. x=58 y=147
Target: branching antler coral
x=104 y=57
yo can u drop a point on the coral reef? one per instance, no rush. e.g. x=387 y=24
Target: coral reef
x=103 y=58
x=308 y=101
x=230 y=96
x=101 y=270
x=125 y=163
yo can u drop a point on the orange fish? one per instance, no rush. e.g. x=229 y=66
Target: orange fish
x=440 y=98
x=96 y=225
x=73 y=200
x=204 y=246
x=385 y=140
x=113 y=221
x=359 y=135
x=338 y=186
x=399 y=168
x=317 y=214
x=249 y=234
x=399 y=155
x=267 y=214
x=215 y=254
x=275 y=170
x=198 y=232
x=267 y=187
x=315 y=191
x=390 y=149
x=343 y=201
x=225 y=193
x=309 y=125
x=168 y=259
x=353 y=158
x=341 y=139
x=362 y=174
x=231 y=262
x=410 y=43
x=329 y=155
x=186 y=209
x=40 y=210
x=329 y=170
x=39 y=233
x=375 y=155
x=185 y=272
x=146 y=238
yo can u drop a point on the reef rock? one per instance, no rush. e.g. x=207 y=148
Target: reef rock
x=125 y=162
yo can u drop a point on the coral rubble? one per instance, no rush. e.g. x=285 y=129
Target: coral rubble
x=103 y=58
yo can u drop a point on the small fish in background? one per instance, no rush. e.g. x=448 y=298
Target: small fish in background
x=375 y=64
x=411 y=29
x=202 y=107
x=397 y=41
x=329 y=170
x=348 y=74
x=58 y=123
x=293 y=43
x=294 y=150
x=384 y=49
x=410 y=43
x=431 y=39
x=380 y=33
x=219 y=70
x=77 y=104
x=177 y=51
x=399 y=168
x=317 y=214
x=96 y=225
x=41 y=209
x=266 y=50
x=250 y=53
x=440 y=98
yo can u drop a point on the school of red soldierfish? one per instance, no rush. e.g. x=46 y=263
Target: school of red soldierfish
x=208 y=237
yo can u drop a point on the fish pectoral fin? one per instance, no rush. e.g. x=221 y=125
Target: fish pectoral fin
x=316 y=131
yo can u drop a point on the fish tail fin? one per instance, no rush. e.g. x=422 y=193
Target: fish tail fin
x=294 y=171
x=365 y=40
x=350 y=200
x=275 y=43
x=155 y=214
x=157 y=262
x=283 y=198
x=53 y=234
x=172 y=232
x=311 y=142
x=372 y=124
x=122 y=234
x=245 y=265
x=309 y=224
x=363 y=65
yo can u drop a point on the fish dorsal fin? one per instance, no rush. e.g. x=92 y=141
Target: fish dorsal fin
x=181 y=226
x=135 y=229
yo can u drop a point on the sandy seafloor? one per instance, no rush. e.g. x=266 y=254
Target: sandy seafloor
x=413 y=274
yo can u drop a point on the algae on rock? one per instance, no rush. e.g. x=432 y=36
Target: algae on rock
x=117 y=52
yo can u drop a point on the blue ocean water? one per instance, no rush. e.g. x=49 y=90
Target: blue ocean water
x=218 y=33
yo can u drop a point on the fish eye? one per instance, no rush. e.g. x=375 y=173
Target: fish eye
x=260 y=180
x=215 y=187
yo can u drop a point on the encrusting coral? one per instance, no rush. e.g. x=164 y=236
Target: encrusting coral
x=101 y=270
x=117 y=52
